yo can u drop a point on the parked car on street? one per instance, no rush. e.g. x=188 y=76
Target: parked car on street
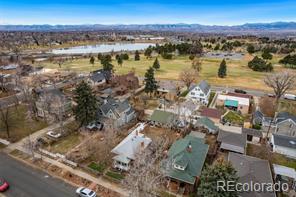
x=85 y=192
x=240 y=91
x=3 y=185
x=290 y=97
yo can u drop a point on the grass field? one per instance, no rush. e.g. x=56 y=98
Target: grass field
x=19 y=126
x=238 y=73
x=65 y=144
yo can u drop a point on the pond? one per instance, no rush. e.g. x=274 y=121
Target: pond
x=102 y=48
x=224 y=55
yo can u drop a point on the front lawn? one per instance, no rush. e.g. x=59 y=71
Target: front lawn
x=65 y=144
x=97 y=167
x=287 y=106
x=115 y=175
x=20 y=127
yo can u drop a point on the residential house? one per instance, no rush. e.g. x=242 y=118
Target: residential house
x=252 y=170
x=285 y=124
x=253 y=135
x=200 y=93
x=107 y=74
x=184 y=163
x=205 y=122
x=235 y=142
x=284 y=145
x=212 y=114
x=259 y=118
x=168 y=90
x=97 y=78
x=128 y=149
x=184 y=109
x=52 y=102
x=286 y=175
x=163 y=119
x=235 y=102
x=120 y=112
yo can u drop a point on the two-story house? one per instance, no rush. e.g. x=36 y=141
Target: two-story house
x=52 y=102
x=121 y=112
x=200 y=92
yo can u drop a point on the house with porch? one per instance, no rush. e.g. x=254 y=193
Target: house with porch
x=286 y=175
x=200 y=92
x=128 y=149
x=184 y=163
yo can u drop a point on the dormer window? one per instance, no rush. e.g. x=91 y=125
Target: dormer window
x=178 y=167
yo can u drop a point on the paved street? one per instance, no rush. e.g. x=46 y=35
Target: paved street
x=28 y=182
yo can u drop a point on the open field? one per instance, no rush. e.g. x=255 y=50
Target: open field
x=19 y=126
x=238 y=73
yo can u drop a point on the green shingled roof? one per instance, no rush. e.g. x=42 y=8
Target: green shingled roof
x=163 y=117
x=208 y=123
x=193 y=160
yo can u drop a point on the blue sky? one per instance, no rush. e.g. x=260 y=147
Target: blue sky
x=214 y=12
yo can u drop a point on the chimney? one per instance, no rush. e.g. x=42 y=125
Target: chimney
x=142 y=144
x=189 y=147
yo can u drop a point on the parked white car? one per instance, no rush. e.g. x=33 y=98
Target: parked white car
x=290 y=97
x=85 y=192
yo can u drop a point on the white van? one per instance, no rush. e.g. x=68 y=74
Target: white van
x=290 y=97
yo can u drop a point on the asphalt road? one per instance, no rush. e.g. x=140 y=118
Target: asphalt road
x=26 y=181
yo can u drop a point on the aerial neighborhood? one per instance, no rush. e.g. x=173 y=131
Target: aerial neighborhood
x=165 y=114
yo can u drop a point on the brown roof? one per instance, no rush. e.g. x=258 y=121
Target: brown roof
x=240 y=95
x=211 y=113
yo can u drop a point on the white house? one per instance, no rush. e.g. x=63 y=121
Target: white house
x=127 y=150
x=200 y=93
x=284 y=145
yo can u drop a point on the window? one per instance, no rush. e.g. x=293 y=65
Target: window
x=192 y=93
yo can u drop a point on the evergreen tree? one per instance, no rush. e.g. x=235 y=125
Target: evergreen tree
x=106 y=63
x=156 y=64
x=137 y=55
x=148 y=52
x=258 y=64
x=150 y=82
x=86 y=109
x=266 y=55
x=92 y=60
x=119 y=60
x=222 y=71
x=251 y=49
x=210 y=177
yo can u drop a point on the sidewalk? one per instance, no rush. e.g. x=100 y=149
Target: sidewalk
x=37 y=134
x=19 y=146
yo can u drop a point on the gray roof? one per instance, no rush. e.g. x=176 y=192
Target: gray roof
x=204 y=86
x=252 y=169
x=117 y=107
x=281 y=116
x=285 y=141
x=236 y=139
x=252 y=132
x=258 y=117
x=97 y=77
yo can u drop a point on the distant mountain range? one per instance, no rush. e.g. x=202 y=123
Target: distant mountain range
x=248 y=27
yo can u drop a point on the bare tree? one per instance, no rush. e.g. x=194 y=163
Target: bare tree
x=145 y=176
x=197 y=64
x=267 y=106
x=5 y=119
x=188 y=76
x=280 y=83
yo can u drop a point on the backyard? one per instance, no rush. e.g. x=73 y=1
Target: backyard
x=263 y=153
x=20 y=127
x=238 y=73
